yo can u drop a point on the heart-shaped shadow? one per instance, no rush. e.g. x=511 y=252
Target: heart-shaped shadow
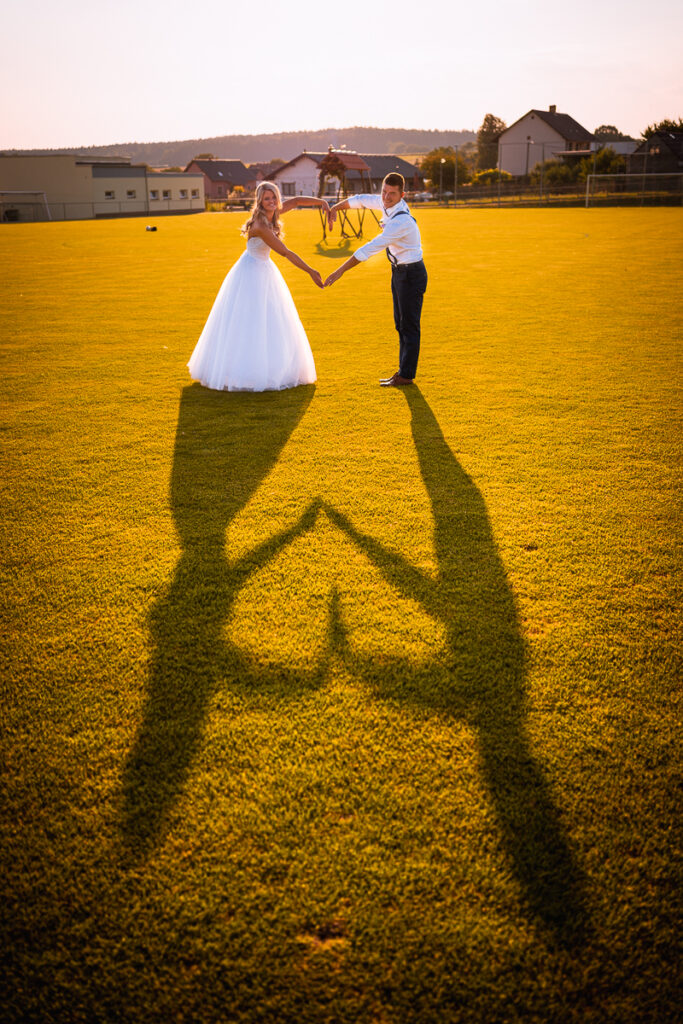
x=473 y=662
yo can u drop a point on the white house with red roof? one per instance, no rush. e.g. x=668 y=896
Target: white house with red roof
x=363 y=173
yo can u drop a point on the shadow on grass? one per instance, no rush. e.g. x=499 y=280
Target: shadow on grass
x=225 y=446
x=339 y=251
x=480 y=677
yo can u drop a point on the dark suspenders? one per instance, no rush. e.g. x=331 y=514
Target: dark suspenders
x=401 y=213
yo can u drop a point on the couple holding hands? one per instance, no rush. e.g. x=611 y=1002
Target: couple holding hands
x=253 y=339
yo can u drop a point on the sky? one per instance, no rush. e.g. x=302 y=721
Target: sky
x=76 y=73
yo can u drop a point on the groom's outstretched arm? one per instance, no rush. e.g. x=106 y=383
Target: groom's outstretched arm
x=351 y=262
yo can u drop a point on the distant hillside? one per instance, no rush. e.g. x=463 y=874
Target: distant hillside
x=256 y=148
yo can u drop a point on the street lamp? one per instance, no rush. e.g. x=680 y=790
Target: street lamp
x=443 y=161
x=455 y=180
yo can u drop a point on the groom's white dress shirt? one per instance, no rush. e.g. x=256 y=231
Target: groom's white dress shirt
x=400 y=234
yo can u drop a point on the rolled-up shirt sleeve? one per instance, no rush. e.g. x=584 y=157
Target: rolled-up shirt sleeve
x=391 y=233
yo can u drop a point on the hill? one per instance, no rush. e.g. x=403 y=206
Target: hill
x=255 y=148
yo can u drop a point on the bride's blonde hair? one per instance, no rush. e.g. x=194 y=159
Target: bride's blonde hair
x=257 y=215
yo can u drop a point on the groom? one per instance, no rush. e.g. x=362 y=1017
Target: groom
x=400 y=238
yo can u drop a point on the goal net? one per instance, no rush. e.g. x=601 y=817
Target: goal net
x=635 y=189
x=23 y=206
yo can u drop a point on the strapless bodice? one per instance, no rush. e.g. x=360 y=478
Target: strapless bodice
x=257 y=248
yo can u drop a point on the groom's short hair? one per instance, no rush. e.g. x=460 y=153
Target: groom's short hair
x=396 y=180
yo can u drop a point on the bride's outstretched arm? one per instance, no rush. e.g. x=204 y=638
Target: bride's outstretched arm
x=296 y=201
x=271 y=239
x=332 y=212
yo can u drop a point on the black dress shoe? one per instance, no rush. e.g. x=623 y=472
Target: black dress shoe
x=397 y=381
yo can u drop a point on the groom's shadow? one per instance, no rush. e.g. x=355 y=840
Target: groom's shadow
x=225 y=446
x=479 y=677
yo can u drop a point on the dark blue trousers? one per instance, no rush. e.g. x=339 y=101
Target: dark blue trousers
x=408 y=285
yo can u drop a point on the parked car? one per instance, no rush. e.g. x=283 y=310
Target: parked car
x=422 y=197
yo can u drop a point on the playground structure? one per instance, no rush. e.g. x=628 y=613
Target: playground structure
x=336 y=165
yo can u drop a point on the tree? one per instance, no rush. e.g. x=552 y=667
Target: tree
x=487 y=141
x=667 y=125
x=608 y=132
x=330 y=167
x=468 y=151
x=204 y=156
x=443 y=175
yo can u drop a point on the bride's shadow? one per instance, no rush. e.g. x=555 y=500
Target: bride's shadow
x=479 y=676
x=224 y=448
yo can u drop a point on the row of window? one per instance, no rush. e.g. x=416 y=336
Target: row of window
x=288 y=188
x=131 y=193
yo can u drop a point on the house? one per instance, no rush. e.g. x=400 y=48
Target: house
x=362 y=173
x=221 y=176
x=262 y=171
x=662 y=153
x=69 y=186
x=301 y=176
x=538 y=136
x=382 y=164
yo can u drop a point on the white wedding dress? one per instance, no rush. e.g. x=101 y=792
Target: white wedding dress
x=253 y=339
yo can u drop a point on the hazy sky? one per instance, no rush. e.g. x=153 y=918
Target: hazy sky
x=77 y=73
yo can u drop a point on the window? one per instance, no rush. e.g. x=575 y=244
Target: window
x=183 y=193
x=110 y=195
x=154 y=193
x=195 y=193
x=288 y=188
x=130 y=194
x=167 y=193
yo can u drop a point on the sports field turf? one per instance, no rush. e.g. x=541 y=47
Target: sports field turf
x=339 y=704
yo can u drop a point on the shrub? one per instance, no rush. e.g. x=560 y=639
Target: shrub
x=605 y=161
x=490 y=177
x=555 y=172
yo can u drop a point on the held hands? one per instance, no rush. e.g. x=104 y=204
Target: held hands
x=331 y=217
x=316 y=277
x=332 y=278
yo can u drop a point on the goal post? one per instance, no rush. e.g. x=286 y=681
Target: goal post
x=24 y=206
x=635 y=189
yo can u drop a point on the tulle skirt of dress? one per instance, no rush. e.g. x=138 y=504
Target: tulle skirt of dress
x=253 y=339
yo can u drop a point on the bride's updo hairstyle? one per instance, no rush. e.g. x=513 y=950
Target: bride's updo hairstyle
x=257 y=215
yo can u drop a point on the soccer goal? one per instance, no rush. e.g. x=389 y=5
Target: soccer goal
x=23 y=206
x=635 y=189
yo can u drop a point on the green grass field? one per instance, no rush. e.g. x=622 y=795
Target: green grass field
x=339 y=704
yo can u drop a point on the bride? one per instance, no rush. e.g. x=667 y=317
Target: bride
x=253 y=339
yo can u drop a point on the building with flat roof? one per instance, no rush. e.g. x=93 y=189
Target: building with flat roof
x=67 y=186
